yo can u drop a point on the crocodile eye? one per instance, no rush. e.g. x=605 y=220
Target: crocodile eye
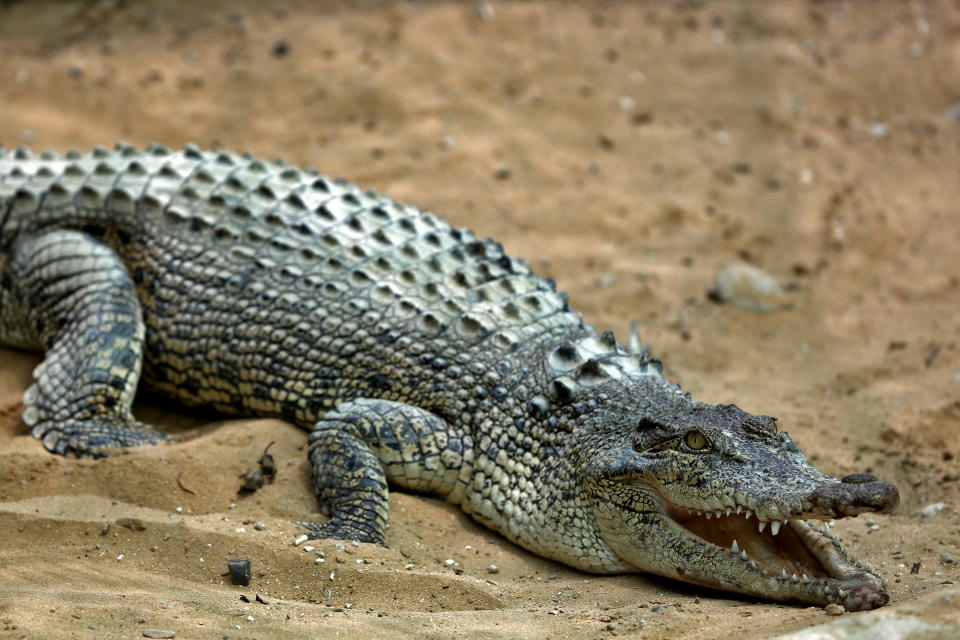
x=695 y=440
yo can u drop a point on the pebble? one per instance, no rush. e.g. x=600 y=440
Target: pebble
x=503 y=172
x=239 y=571
x=485 y=11
x=952 y=112
x=833 y=609
x=493 y=569
x=300 y=540
x=260 y=526
x=932 y=509
x=878 y=129
x=747 y=287
x=281 y=48
x=159 y=633
x=449 y=562
x=946 y=559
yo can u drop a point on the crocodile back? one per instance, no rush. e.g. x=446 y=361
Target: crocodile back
x=253 y=272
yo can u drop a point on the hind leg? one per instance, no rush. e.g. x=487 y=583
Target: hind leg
x=76 y=297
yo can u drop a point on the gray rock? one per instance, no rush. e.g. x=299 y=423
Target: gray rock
x=931 y=617
x=747 y=287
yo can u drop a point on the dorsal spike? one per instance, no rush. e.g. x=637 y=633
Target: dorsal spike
x=564 y=389
x=607 y=339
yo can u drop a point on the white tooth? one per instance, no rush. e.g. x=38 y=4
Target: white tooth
x=794 y=577
x=753 y=565
x=718 y=513
x=826 y=528
x=783 y=574
x=735 y=548
x=743 y=555
x=709 y=514
x=749 y=513
x=806 y=578
x=728 y=511
x=739 y=509
x=869 y=567
x=761 y=525
x=841 y=593
x=775 y=527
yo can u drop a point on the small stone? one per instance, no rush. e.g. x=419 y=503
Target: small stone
x=299 y=540
x=159 y=633
x=281 y=48
x=503 y=172
x=946 y=559
x=747 y=287
x=605 y=280
x=878 y=129
x=932 y=509
x=134 y=524
x=410 y=565
x=833 y=609
x=485 y=10
x=239 y=571
x=626 y=103
x=449 y=562
x=952 y=112
x=260 y=526
x=493 y=569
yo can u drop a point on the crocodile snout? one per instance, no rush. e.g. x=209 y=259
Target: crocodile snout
x=855 y=494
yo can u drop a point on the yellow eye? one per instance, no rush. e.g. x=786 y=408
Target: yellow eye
x=695 y=440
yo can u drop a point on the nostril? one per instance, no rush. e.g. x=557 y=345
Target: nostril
x=858 y=478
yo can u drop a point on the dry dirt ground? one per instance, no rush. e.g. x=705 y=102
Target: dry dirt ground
x=630 y=150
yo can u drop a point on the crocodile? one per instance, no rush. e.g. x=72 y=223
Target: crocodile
x=418 y=356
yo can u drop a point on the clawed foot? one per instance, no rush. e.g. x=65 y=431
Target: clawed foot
x=340 y=530
x=95 y=437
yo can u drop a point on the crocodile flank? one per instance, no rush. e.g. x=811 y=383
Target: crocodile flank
x=417 y=355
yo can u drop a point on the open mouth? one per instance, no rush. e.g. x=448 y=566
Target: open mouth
x=776 y=547
x=789 y=559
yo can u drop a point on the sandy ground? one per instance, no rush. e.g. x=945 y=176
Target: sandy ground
x=630 y=151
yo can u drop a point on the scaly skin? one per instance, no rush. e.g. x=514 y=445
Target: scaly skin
x=417 y=355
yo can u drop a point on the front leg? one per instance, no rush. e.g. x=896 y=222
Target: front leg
x=364 y=444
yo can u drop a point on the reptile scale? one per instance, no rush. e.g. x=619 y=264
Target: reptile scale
x=417 y=355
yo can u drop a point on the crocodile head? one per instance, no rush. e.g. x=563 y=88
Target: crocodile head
x=713 y=495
